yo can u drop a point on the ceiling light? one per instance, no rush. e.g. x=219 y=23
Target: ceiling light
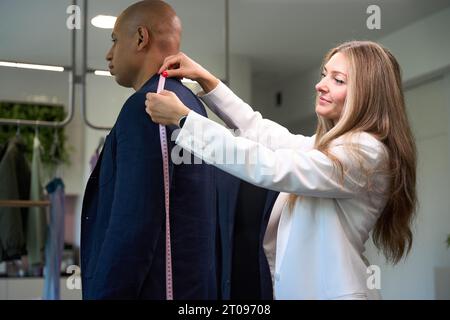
x=30 y=66
x=102 y=73
x=104 y=22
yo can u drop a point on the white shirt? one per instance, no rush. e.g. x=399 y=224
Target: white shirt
x=318 y=248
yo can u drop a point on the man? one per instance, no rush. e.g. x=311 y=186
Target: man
x=123 y=219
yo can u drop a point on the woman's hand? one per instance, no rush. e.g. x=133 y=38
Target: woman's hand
x=181 y=66
x=165 y=107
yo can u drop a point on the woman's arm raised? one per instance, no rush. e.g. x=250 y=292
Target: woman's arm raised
x=236 y=113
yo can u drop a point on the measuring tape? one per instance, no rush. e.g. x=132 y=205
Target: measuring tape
x=165 y=156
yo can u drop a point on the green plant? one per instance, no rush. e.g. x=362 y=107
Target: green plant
x=31 y=111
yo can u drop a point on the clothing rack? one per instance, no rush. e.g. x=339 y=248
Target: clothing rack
x=81 y=80
x=85 y=71
x=68 y=119
x=24 y=203
x=73 y=79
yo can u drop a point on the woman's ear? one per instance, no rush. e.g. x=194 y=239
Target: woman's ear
x=143 y=37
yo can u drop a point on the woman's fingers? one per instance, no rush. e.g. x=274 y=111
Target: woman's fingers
x=165 y=108
x=175 y=73
x=155 y=108
x=181 y=66
x=168 y=93
x=171 y=62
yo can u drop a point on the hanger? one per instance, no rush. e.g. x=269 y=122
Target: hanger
x=54 y=149
x=100 y=145
x=36 y=129
x=25 y=203
x=18 y=129
x=55 y=152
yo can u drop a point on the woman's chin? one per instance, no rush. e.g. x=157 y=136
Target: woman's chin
x=322 y=111
x=325 y=112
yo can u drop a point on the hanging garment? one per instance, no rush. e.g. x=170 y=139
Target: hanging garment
x=96 y=154
x=94 y=160
x=55 y=240
x=37 y=220
x=14 y=185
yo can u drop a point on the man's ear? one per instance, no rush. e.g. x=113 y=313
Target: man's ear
x=143 y=37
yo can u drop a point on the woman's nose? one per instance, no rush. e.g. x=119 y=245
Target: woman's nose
x=321 y=86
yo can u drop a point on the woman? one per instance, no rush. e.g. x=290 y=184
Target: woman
x=357 y=174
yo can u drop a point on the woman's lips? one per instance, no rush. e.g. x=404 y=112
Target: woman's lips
x=324 y=100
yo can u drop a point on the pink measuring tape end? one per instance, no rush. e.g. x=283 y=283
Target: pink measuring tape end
x=161 y=84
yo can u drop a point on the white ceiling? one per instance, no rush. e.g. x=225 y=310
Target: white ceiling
x=278 y=36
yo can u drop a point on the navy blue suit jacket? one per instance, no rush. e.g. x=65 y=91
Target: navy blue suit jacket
x=123 y=217
x=228 y=188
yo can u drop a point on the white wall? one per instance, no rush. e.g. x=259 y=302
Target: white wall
x=240 y=77
x=425 y=274
x=421 y=48
x=298 y=98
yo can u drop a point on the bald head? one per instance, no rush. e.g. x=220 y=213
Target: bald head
x=159 y=19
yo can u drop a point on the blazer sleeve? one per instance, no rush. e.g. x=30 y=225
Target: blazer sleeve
x=250 y=124
x=309 y=173
x=136 y=214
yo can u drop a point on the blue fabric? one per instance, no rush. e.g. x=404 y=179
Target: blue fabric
x=123 y=215
x=228 y=191
x=55 y=241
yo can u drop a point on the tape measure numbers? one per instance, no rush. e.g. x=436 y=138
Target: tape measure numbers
x=165 y=158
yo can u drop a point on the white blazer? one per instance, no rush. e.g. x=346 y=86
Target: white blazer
x=320 y=244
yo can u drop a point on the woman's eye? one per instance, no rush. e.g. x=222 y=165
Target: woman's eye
x=323 y=75
x=339 y=81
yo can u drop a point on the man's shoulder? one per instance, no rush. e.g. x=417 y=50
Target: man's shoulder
x=134 y=106
x=133 y=118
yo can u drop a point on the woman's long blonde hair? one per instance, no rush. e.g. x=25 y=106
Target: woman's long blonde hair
x=375 y=104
